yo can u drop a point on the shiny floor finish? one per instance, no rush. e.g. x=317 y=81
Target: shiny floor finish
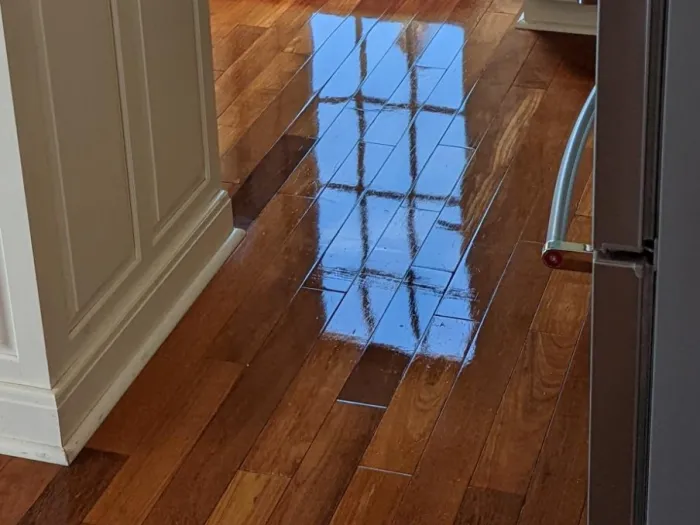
x=385 y=347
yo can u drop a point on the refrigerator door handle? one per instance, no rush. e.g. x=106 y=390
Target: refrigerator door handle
x=557 y=252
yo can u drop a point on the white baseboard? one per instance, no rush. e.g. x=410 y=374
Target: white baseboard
x=559 y=16
x=83 y=398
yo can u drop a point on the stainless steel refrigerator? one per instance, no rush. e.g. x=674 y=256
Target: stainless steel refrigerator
x=645 y=355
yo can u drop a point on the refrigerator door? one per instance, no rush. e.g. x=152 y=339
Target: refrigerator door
x=674 y=475
x=622 y=307
x=626 y=50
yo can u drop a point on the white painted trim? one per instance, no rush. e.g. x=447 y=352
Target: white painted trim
x=558 y=16
x=82 y=398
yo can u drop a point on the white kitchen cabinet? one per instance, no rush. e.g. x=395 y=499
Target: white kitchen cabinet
x=112 y=219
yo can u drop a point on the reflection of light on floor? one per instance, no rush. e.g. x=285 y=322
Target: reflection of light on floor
x=414 y=38
x=343 y=141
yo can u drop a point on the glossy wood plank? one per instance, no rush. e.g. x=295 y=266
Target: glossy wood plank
x=292 y=23
x=581 y=230
x=467 y=13
x=484 y=100
x=243 y=110
x=147 y=397
x=292 y=427
x=235 y=280
x=161 y=381
x=400 y=242
x=145 y=474
x=475 y=280
x=226 y=138
x=564 y=304
x=206 y=471
x=328 y=467
x=516 y=436
x=436 y=490
x=356 y=172
x=362 y=307
x=371 y=498
x=441 y=174
x=512 y=7
x=401 y=107
x=488 y=507
x=470 y=64
x=378 y=373
x=340 y=144
x=542 y=63
x=234 y=44
x=566 y=300
x=443 y=48
x=267 y=177
x=463 y=214
x=73 y=491
x=567 y=100
x=246 y=12
x=249 y=499
x=230 y=188
x=21 y=483
x=331 y=64
x=245 y=332
x=359 y=235
x=558 y=488
x=585 y=205
x=584 y=515
x=403 y=432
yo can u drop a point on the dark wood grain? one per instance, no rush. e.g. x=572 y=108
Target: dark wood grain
x=206 y=471
x=506 y=6
x=463 y=214
x=260 y=54
x=484 y=101
x=72 y=492
x=371 y=498
x=234 y=44
x=249 y=499
x=558 y=489
x=21 y=483
x=299 y=416
x=489 y=507
x=585 y=205
x=541 y=65
x=566 y=300
x=403 y=432
x=405 y=235
x=584 y=515
x=318 y=485
x=436 y=490
x=132 y=492
x=168 y=371
x=552 y=149
x=258 y=95
x=264 y=181
x=379 y=371
x=516 y=437
x=474 y=282
x=235 y=280
x=248 y=327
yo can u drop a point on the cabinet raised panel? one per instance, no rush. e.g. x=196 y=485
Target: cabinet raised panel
x=6 y=346
x=91 y=179
x=181 y=160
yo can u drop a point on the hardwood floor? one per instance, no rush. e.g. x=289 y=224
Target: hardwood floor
x=385 y=347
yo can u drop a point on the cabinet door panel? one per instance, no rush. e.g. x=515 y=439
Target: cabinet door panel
x=92 y=183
